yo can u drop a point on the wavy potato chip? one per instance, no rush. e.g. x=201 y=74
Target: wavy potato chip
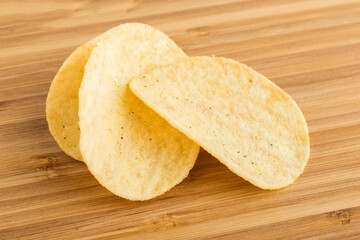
x=129 y=148
x=236 y=114
x=62 y=103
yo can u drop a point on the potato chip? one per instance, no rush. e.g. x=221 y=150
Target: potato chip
x=129 y=148
x=62 y=103
x=236 y=114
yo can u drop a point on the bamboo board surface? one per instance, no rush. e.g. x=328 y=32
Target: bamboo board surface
x=309 y=48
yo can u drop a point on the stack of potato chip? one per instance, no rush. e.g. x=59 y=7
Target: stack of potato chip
x=135 y=108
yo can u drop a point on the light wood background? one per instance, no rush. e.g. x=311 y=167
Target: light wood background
x=309 y=48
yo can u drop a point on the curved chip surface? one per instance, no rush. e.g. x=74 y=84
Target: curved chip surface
x=236 y=114
x=129 y=148
x=62 y=102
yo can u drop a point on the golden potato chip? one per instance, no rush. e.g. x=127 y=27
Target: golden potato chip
x=129 y=148
x=62 y=103
x=236 y=114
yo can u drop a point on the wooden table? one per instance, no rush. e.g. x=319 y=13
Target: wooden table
x=309 y=48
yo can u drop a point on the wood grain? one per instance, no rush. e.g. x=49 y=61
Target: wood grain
x=309 y=48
